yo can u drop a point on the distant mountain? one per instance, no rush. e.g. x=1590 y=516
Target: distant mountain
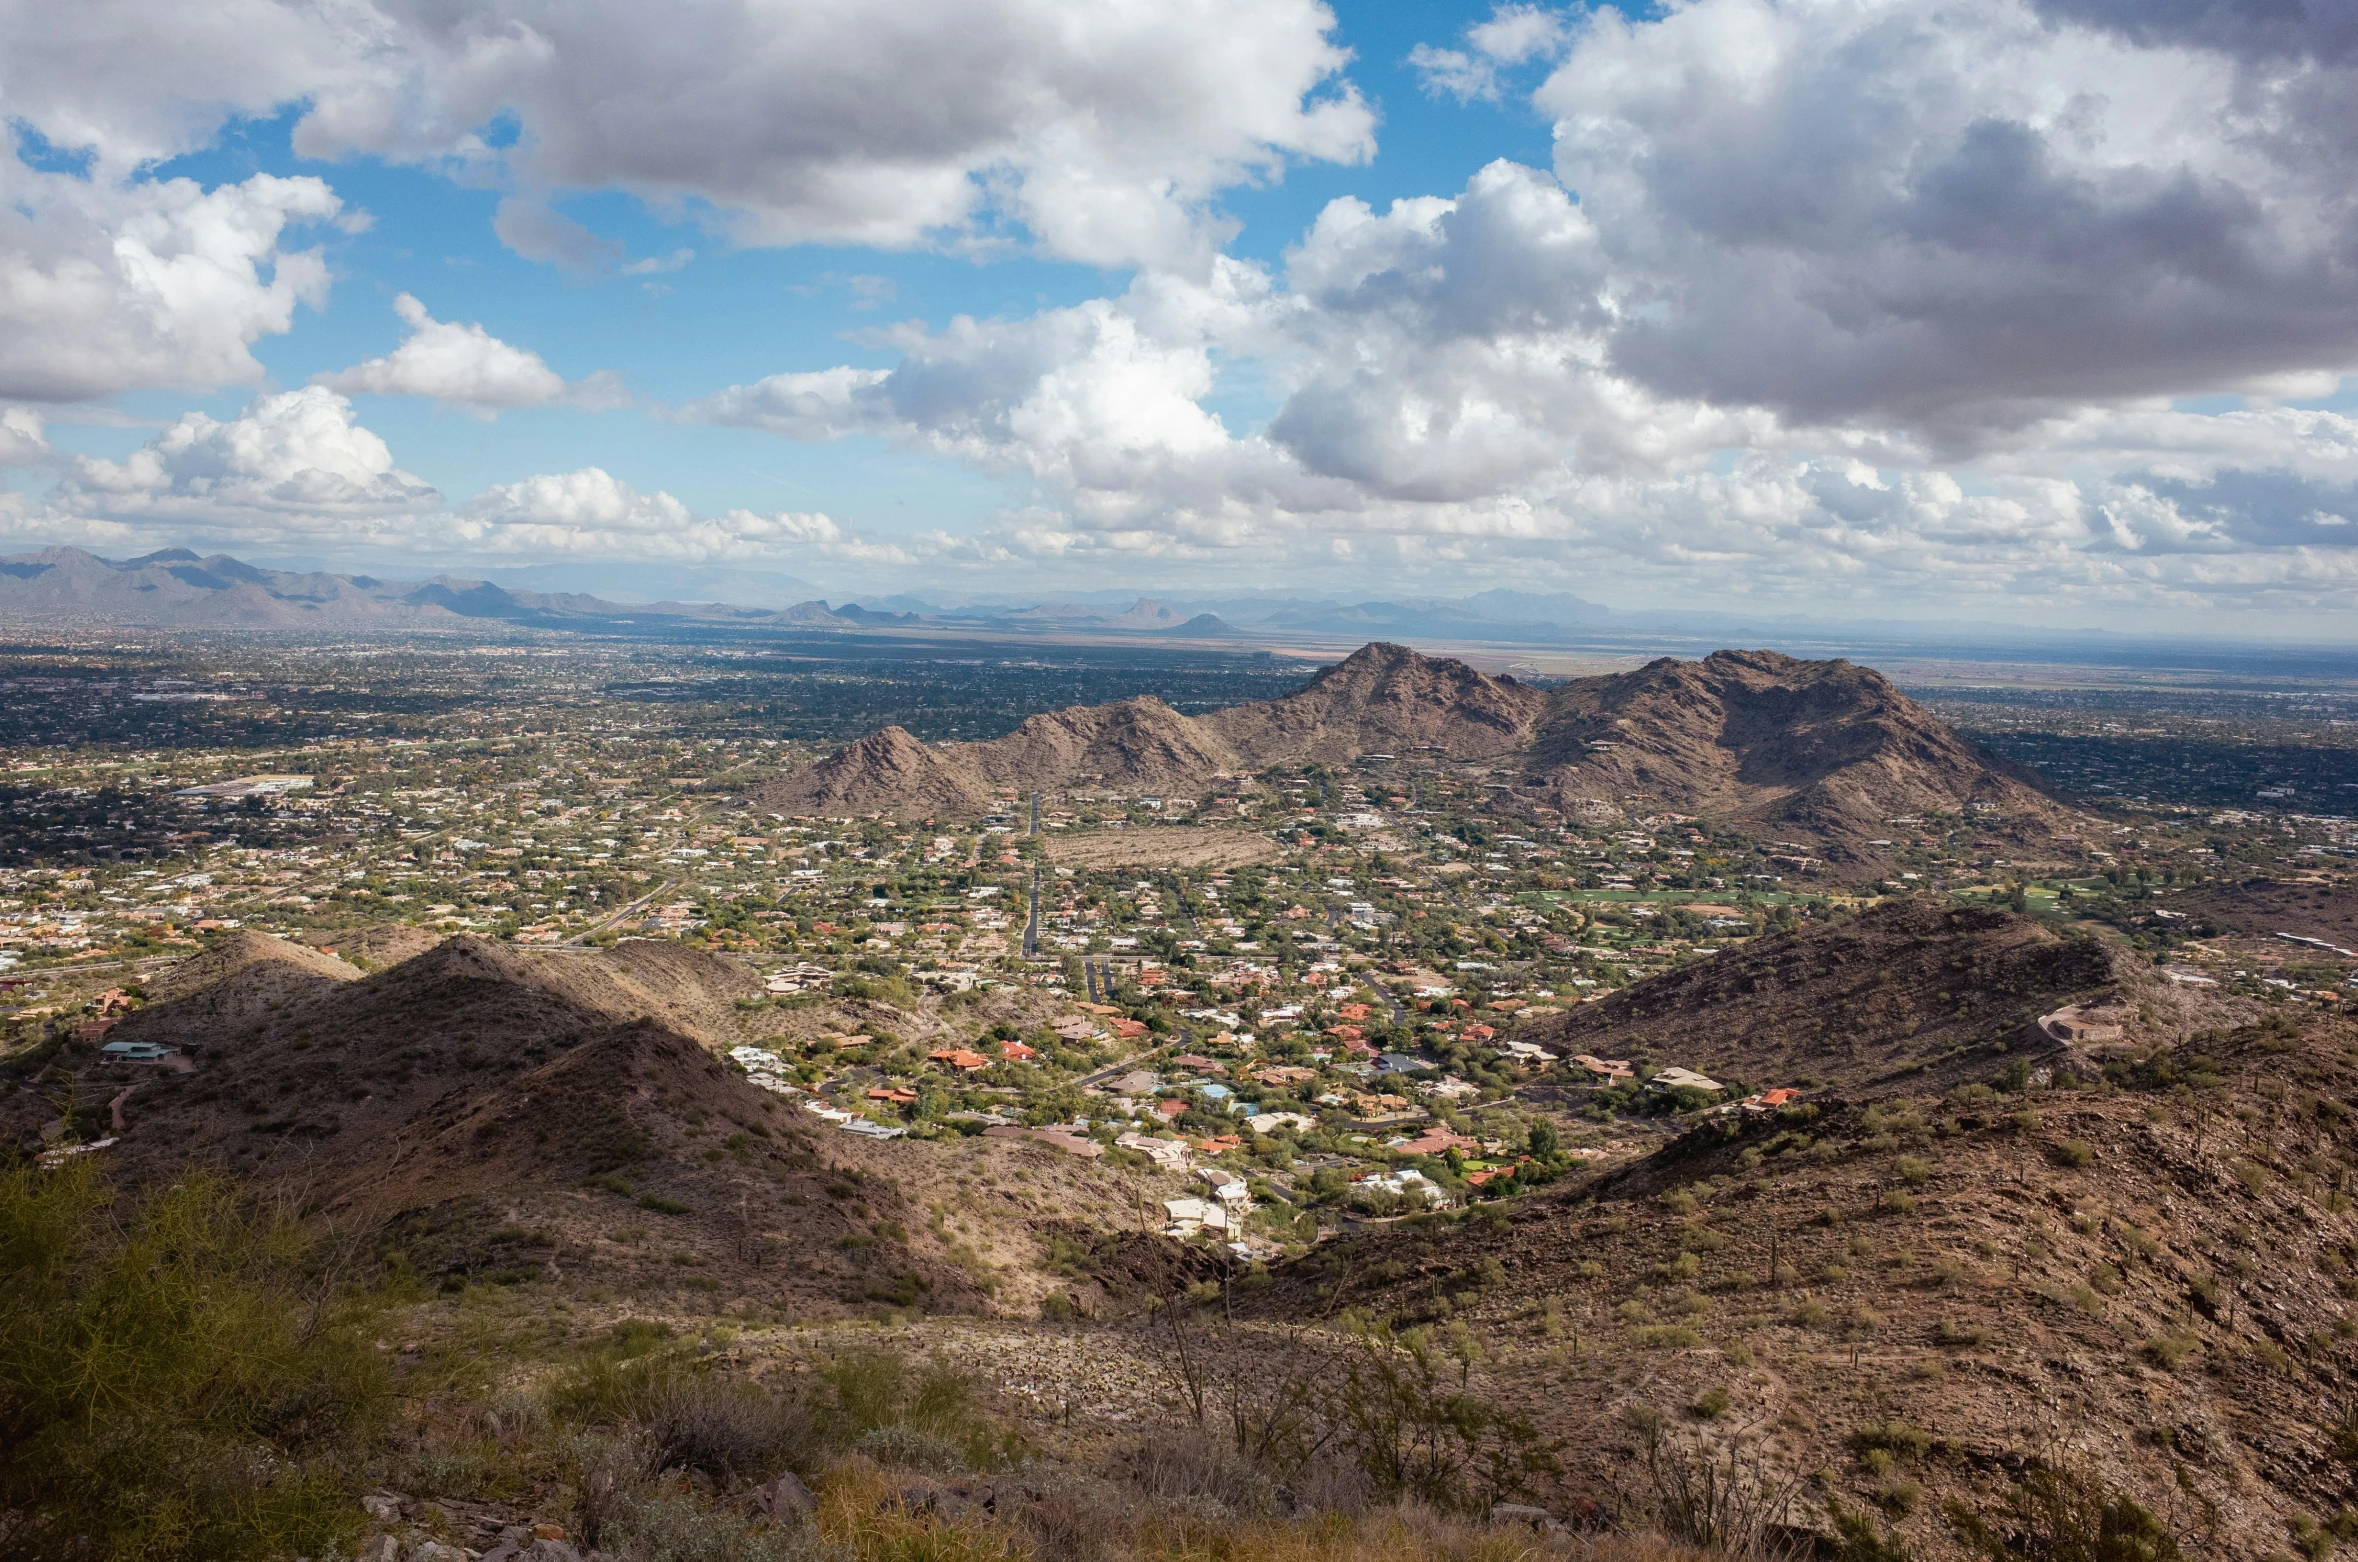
x=178 y=588
x=1826 y=752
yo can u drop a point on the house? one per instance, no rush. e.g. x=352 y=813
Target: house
x=1136 y=1083
x=1770 y=1100
x=1185 y=1217
x=1201 y=1065
x=1611 y=1071
x=1166 y=1110
x=1169 y=1154
x=894 y=1094
x=1284 y=1075
x=136 y=1052
x=1129 y=1030
x=1016 y=1052
x=1682 y=1079
x=1270 y=1122
x=1524 y=1052
x=1405 y=1184
x=958 y=1058
x=1399 y=1063
x=1437 y=1141
x=2082 y=1024
x=1074 y=1027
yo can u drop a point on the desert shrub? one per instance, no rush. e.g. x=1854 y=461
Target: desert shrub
x=2064 y=1516
x=1898 y=1202
x=173 y=1383
x=729 y=1427
x=1898 y=1438
x=1913 y=1169
x=911 y=1449
x=2167 y=1350
x=670 y=1526
x=1711 y=1404
x=1403 y=1408
x=1667 y=1336
x=2074 y=1153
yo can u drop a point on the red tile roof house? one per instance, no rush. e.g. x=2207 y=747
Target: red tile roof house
x=1436 y=1141
x=1200 y=1065
x=959 y=1058
x=1607 y=1069
x=1016 y=1052
x=1770 y=1100
x=1169 y=1109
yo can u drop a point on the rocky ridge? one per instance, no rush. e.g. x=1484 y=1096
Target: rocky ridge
x=1826 y=751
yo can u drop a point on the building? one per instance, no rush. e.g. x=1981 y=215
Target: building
x=1682 y=1079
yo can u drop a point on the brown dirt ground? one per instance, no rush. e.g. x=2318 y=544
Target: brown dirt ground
x=1163 y=846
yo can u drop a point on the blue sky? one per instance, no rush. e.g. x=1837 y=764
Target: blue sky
x=1993 y=311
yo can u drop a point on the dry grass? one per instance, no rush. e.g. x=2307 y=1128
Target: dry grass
x=1163 y=846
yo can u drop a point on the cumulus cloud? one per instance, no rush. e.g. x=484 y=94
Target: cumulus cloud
x=1105 y=131
x=1513 y=35
x=593 y=514
x=295 y=461
x=106 y=287
x=22 y=440
x=1959 y=218
x=464 y=366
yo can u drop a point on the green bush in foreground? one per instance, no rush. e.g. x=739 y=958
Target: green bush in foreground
x=173 y=1383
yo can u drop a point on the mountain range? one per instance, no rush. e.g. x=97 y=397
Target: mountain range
x=1827 y=750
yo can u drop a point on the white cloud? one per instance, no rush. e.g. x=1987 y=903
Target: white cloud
x=1513 y=35
x=593 y=514
x=1105 y=131
x=22 y=440
x=464 y=366
x=291 y=463
x=1956 y=219
x=107 y=287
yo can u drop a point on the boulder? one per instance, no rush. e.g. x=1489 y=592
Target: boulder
x=785 y=1500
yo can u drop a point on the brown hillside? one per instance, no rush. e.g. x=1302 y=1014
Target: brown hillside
x=891 y=768
x=1825 y=752
x=1828 y=750
x=491 y=1113
x=1910 y=991
x=2146 y=1277
x=1385 y=699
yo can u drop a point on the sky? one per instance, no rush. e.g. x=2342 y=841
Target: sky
x=2027 y=311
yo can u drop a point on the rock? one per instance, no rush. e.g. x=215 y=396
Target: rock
x=379 y=1548
x=1521 y=1514
x=785 y=1500
x=436 y=1551
x=546 y=1531
x=552 y=1551
x=384 y=1507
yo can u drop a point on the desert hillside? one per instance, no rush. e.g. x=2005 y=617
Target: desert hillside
x=1828 y=752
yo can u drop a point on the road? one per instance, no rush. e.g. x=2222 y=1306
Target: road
x=1179 y=894
x=1031 y=924
x=633 y=909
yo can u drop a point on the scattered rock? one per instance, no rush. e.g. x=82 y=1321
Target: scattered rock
x=785 y=1500
x=379 y=1548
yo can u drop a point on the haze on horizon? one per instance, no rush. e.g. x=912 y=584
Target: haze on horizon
x=2038 y=311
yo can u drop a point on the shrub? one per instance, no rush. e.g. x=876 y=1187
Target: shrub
x=2075 y=1153
x=172 y=1384
x=1913 y=1170
x=1711 y=1405
x=2166 y=1351
x=2064 y=1516
x=1897 y=1438
x=1668 y=1336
